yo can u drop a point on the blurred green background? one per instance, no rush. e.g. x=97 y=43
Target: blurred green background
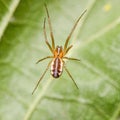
x=96 y=42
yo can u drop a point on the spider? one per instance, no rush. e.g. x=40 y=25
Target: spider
x=59 y=53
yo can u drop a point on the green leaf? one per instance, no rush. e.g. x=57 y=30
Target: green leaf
x=96 y=42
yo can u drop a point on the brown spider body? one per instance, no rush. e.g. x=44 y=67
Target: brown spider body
x=57 y=63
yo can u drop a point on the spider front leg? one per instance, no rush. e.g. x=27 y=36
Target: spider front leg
x=45 y=36
x=72 y=30
x=67 y=49
x=50 y=27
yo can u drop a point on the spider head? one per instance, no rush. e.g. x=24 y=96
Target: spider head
x=58 y=52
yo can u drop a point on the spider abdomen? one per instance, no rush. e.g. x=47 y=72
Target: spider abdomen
x=56 y=67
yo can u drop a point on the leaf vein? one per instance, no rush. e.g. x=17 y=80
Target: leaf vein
x=7 y=17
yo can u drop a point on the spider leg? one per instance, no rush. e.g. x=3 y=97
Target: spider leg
x=69 y=36
x=69 y=58
x=50 y=26
x=71 y=77
x=44 y=59
x=41 y=77
x=45 y=36
x=68 y=49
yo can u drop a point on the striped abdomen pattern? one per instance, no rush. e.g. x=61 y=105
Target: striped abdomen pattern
x=56 y=67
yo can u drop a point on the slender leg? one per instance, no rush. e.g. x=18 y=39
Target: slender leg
x=68 y=49
x=71 y=58
x=71 y=77
x=41 y=77
x=44 y=59
x=45 y=35
x=50 y=26
x=69 y=36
